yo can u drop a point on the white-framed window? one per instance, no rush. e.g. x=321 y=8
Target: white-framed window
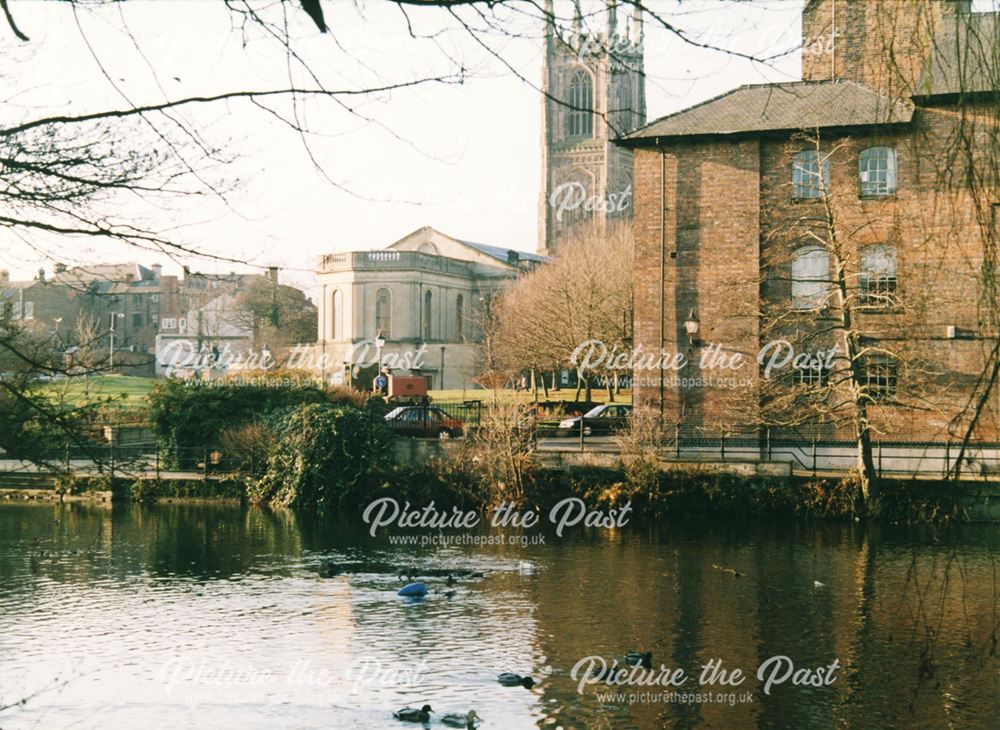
x=383 y=312
x=877 y=172
x=580 y=106
x=169 y=323
x=810 y=278
x=182 y=325
x=813 y=375
x=877 y=276
x=154 y=298
x=880 y=378
x=29 y=310
x=810 y=174
x=155 y=318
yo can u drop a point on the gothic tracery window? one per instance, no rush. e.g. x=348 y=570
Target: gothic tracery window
x=580 y=113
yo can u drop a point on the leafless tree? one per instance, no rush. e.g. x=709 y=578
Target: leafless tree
x=580 y=299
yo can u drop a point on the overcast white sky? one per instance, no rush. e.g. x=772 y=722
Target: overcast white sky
x=462 y=158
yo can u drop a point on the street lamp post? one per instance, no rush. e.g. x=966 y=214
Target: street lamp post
x=111 y=355
x=379 y=344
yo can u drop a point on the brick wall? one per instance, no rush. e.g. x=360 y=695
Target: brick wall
x=732 y=221
x=882 y=44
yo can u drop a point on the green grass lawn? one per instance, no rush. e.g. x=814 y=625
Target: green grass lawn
x=128 y=390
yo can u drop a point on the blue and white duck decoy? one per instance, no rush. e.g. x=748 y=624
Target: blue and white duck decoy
x=509 y=679
x=413 y=590
x=457 y=719
x=412 y=714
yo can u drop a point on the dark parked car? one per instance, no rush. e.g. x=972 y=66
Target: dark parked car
x=603 y=419
x=423 y=421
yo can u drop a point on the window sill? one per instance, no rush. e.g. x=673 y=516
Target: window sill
x=876 y=197
x=875 y=309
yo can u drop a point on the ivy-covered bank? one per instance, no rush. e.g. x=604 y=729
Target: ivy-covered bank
x=677 y=492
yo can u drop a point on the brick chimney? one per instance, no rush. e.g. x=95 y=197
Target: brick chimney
x=881 y=44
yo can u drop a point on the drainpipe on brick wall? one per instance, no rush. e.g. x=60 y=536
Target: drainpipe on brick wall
x=663 y=256
x=833 y=41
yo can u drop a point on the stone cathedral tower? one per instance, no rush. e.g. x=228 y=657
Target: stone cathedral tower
x=594 y=91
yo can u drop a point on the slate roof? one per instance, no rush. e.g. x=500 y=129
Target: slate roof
x=500 y=253
x=780 y=107
x=966 y=56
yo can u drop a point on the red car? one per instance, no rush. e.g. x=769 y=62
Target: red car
x=426 y=421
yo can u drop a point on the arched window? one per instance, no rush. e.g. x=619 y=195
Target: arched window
x=383 y=312
x=580 y=112
x=877 y=276
x=810 y=278
x=335 y=315
x=810 y=174
x=877 y=171
x=459 y=317
x=428 y=313
x=428 y=248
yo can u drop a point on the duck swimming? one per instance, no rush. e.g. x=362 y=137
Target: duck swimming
x=456 y=719
x=636 y=659
x=412 y=714
x=509 y=679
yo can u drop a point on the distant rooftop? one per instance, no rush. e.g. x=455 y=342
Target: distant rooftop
x=780 y=107
x=503 y=254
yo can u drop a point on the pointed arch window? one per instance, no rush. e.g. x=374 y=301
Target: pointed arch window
x=383 y=312
x=625 y=110
x=580 y=113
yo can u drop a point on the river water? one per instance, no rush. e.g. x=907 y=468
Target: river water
x=216 y=617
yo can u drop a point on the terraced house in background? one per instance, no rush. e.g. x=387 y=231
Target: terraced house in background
x=854 y=210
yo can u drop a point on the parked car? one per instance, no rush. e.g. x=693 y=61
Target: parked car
x=423 y=421
x=603 y=419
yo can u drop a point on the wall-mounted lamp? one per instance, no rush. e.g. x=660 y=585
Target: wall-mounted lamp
x=691 y=326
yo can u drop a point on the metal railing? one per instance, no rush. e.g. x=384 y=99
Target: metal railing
x=916 y=455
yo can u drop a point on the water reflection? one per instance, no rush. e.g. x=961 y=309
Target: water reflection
x=216 y=616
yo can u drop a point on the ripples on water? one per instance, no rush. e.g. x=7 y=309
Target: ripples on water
x=214 y=617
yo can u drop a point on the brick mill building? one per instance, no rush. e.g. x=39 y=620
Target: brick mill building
x=856 y=209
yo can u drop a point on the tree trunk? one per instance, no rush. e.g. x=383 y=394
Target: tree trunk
x=866 y=461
